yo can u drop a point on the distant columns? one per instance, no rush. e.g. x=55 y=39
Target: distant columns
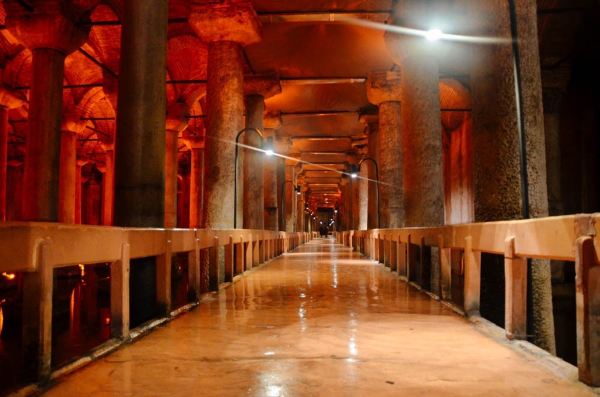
x=175 y=124
x=225 y=26
x=271 y=177
x=196 y=184
x=383 y=90
x=371 y=123
x=108 y=187
x=68 y=177
x=289 y=197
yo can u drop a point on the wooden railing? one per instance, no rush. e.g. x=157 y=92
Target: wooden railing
x=37 y=249
x=569 y=238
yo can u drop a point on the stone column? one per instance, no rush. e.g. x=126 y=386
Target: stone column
x=141 y=113
x=552 y=103
x=67 y=193
x=51 y=35
x=289 y=197
x=78 y=219
x=256 y=89
x=8 y=100
x=196 y=183
x=281 y=193
x=421 y=123
x=225 y=26
x=371 y=123
x=496 y=149
x=108 y=188
x=383 y=90
x=271 y=171
x=175 y=124
x=300 y=211
x=362 y=198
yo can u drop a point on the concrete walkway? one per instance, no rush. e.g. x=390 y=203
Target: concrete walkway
x=320 y=321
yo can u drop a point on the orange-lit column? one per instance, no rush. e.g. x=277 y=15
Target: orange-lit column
x=8 y=100
x=383 y=90
x=196 y=183
x=417 y=57
x=289 y=197
x=108 y=187
x=67 y=193
x=175 y=124
x=371 y=123
x=50 y=35
x=225 y=26
x=141 y=113
x=271 y=123
x=256 y=89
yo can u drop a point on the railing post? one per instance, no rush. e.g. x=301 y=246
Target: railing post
x=472 y=278
x=229 y=265
x=239 y=257
x=163 y=278
x=587 y=280
x=119 y=295
x=445 y=270
x=213 y=265
x=515 y=302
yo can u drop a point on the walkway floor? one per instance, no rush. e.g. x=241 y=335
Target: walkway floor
x=317 y=322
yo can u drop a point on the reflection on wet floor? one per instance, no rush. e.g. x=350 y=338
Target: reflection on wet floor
x=318 y=321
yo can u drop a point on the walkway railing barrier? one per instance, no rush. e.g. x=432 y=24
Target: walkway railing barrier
x=573 y=238
x=37 y=249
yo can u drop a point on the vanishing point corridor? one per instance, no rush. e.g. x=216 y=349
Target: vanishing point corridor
x=320 y=320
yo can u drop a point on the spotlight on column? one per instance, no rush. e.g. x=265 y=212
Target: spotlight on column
x=268 y=147
x=353 y=171
x=297 y=189
x=433 y=34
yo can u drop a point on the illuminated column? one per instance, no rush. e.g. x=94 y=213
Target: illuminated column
x=423 y=179
x=8 y=100
x=175 y=124
x=196 y=182
x=271 y=176
x=225 y=26
x=256 y=89
x=289 y=196
x=371 y=123
x=51 y=35
x=68 y=177
x=141 y=113
x=362 y=197
x=505 y=129
x=108 y=186
x=383 y=90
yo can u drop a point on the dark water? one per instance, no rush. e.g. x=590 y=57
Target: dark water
x=181 y=293
x=492 y=288
x=80 y=311
x=142 y=291
x=11 y=357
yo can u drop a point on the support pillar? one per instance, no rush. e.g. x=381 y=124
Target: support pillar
x=225 y=26
x=51 y=35
x=501 y=181
x=108 y=188
x=383 y=90
x=371 y=123
x=196 y=186
x=362 y=198
x=8 y=100
x=67 y=194
x=141 y=113
x=289 y=198
x=175 y=124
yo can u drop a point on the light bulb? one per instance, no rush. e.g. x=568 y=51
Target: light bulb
x=433 y=34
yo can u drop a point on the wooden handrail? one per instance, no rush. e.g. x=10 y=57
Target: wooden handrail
x=573 y=238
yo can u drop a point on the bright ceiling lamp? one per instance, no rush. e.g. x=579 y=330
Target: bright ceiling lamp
x=433 y=34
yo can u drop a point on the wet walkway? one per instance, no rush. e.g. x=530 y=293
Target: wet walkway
x=317 y=322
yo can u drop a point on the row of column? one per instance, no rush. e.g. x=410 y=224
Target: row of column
x=145 y=164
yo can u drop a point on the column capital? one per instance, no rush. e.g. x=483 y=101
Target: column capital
x=10 y=99
x=229 y=20
x=72 y=123
x=49 y=26
x=263 y=85
x=383 y=87
x=176 y=120
x=370 y=121
x=273 y=121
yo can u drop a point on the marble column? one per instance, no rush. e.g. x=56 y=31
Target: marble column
x=4 y=128
x=371 y=123
x=67 y=177
x=383 y=90
x=499 y=188
x=362 y=198
x=108 y=187
x=225 y=26
x=289 y=197
x=51 y=35
x=196 y=185
x=8 y=100
x=141 y=113
x=256 y=89
x=176 y=123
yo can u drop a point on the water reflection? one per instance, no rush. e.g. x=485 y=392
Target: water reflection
x=80 y=311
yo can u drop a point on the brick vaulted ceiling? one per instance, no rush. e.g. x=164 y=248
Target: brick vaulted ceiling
x=322 y=64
